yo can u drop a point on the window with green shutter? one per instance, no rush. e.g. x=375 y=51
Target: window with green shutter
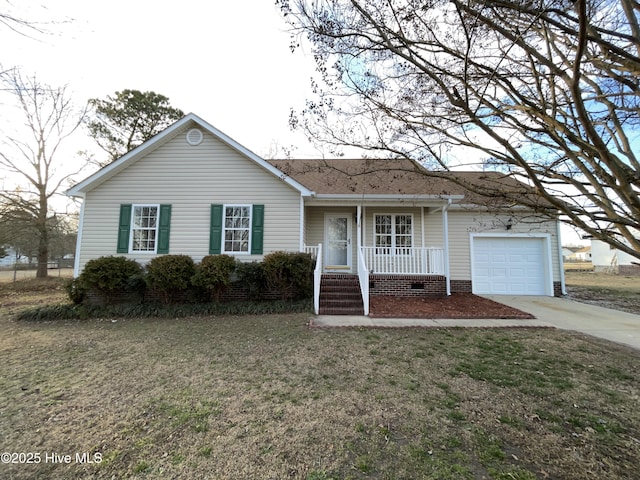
x=124 y=226
x=236 y=229
x=144 y=228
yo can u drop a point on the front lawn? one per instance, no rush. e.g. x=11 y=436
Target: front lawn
x=266 y=397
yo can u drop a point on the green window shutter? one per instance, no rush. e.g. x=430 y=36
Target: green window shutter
x=164 y=228
x=257 y=229
x=215 y=231
x=124 y=227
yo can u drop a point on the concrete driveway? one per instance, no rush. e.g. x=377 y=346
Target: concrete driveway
x=555 y=312
x=614 y=325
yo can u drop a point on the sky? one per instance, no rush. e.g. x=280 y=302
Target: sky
x=227 y=62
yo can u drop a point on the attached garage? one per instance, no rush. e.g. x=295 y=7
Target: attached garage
x=514 y=264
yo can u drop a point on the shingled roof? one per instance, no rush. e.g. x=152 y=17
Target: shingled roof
x=400 y=177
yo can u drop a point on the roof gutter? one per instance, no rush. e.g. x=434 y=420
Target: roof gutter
x=385 y=196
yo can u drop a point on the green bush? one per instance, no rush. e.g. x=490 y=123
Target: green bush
x=251 y=276
x=290 y=273
x=214 y=272
x=170 y=275
x=76 y=290
x=108 y=276
x=84 y=312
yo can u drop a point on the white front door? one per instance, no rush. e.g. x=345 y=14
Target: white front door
x=337 y=254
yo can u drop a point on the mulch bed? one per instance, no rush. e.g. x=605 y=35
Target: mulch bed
x=457 y=305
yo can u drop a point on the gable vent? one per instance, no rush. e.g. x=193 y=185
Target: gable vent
x=194 y=136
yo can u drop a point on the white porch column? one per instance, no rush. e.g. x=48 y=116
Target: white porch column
x=358 y=227
x=445 y=235
x=302 y=219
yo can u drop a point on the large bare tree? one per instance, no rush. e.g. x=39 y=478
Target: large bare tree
x=544 y=90
x=30 y=152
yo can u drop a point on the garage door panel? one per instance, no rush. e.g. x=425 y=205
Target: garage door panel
x=509 y=265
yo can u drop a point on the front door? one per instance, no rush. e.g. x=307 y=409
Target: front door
x=337 y=252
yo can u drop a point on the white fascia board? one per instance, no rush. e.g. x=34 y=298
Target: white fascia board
x=493 y=208
x=386 y=197
x=124 y=161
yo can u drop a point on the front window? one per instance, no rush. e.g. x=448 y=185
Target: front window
x=237 y=228
x=393 y=234
x=144 y=228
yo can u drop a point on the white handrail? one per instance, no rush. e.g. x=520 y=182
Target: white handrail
x=363 y=277
x=317 y=277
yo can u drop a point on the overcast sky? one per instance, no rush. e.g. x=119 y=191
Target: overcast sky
x=228 y=62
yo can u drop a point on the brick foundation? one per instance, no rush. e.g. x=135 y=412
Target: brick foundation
x=461 y=286
x=557 y=289
x=407 y=285
x=629 y=270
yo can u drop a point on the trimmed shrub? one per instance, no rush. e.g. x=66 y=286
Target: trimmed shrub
x=109 y=276
x=214 y=272
x=290 y=273
x=170 y=275
x=251 y=277
x=76 y=290
x=83 y=312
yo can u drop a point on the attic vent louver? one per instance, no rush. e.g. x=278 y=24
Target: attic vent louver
x=194 y=136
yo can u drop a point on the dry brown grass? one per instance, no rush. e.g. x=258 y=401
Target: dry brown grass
x=268 y=397
x=608 y=290
x=603 y=280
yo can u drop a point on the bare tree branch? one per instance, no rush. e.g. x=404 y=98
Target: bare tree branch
x=546 y=91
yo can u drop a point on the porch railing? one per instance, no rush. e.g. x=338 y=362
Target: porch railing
x=312 y=249
x=404 y=260
x=363 y=277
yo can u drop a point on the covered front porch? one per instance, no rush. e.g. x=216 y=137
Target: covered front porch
x=401 y=246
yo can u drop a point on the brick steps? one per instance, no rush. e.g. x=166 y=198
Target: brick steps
x=340 y=295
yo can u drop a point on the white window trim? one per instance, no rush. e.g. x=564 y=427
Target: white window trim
x=393 y=246
x=224 y=228
x=132 y=225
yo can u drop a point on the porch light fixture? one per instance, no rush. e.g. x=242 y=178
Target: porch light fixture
x=509 y=224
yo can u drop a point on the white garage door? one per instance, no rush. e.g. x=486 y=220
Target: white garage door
x=509 y=265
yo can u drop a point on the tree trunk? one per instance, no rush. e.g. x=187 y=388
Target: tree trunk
x=43 y=241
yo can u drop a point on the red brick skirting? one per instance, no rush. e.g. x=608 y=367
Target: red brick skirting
x=629 y=270
x=421 y=285
x=407 y=285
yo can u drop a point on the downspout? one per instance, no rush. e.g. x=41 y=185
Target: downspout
x=563 y=287
x=445 y=235
x=76 y=260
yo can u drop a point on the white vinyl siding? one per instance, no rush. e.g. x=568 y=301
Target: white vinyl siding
x=191 y=179
x=462 y=223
